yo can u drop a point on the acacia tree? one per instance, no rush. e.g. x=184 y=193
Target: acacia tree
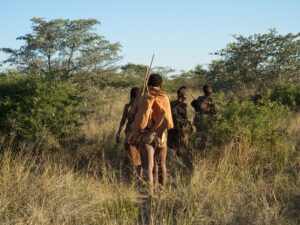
x=258 y=61
x=62 y=47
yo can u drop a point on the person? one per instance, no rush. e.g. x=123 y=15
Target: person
x=205 y=111
x=204 y=104
x=132 y=154
x=152 y=120
x=178 y=137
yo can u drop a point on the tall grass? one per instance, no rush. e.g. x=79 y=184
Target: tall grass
x=82 y=181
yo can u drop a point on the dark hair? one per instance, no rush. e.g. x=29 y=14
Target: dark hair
x=206 y=87
x=134 y=92
x=179 y=90
x=155 y=80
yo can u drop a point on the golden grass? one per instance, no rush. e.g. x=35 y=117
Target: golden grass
x=83 y=183
x=45 y=192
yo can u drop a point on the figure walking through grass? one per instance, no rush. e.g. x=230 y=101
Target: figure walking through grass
x=205 y=111
x=178 y=137
x=152 y=120
x=132 y=157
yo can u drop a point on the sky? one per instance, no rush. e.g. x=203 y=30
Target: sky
x=181 y=33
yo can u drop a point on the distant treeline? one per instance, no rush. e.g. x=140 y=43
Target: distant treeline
x=60 y=59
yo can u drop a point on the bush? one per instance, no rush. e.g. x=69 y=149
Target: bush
x=286 y=94
x=172 y=85
x=245 y=121
x=255 y=134
x=109 y=79
x=31 y=106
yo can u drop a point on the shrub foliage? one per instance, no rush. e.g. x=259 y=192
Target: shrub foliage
x=30 y=106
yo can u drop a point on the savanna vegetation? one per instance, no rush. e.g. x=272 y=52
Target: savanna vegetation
x=61 y=101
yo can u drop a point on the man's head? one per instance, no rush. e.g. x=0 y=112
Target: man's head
x=134 y=92
x=155 y=80
x=181 y=93
x=207 y=90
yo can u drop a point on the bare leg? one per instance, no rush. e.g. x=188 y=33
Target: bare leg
x=156 y=168
x=140 y=171
x=135 y=159
x=147 y=153
x=128 y=162
x=163 y=159
x=150 y=156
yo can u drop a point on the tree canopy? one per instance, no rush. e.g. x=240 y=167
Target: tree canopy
x=61 y=47
x=257 y=61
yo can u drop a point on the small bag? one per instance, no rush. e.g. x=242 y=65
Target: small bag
x=150 y=137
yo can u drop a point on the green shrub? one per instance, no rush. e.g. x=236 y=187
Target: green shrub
x=172 y=85
x=246 y=121
x=254 y=133
x=115 y=80
x=31 y=106
x=286 y=94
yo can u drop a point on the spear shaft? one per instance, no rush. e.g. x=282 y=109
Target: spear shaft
x=147 y=77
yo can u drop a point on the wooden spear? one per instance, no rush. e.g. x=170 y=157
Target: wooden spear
x=147 y=77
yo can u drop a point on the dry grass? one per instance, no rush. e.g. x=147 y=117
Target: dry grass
x=83 y=183
x=45 y=192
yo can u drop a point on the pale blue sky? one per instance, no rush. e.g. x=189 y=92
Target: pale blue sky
x=180 y=33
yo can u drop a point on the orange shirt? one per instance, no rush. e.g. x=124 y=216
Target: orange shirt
x=153 y=112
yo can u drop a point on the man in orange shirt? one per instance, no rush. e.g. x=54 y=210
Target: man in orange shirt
x=152 y=120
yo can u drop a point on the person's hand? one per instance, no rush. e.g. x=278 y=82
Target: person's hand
x=118 y=139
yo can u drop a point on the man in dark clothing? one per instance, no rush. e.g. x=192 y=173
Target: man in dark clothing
x=178 y=136
x=204 y=104
x=205 y=111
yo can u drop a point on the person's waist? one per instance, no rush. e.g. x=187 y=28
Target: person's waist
x=157 y=126
x=158 y=131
